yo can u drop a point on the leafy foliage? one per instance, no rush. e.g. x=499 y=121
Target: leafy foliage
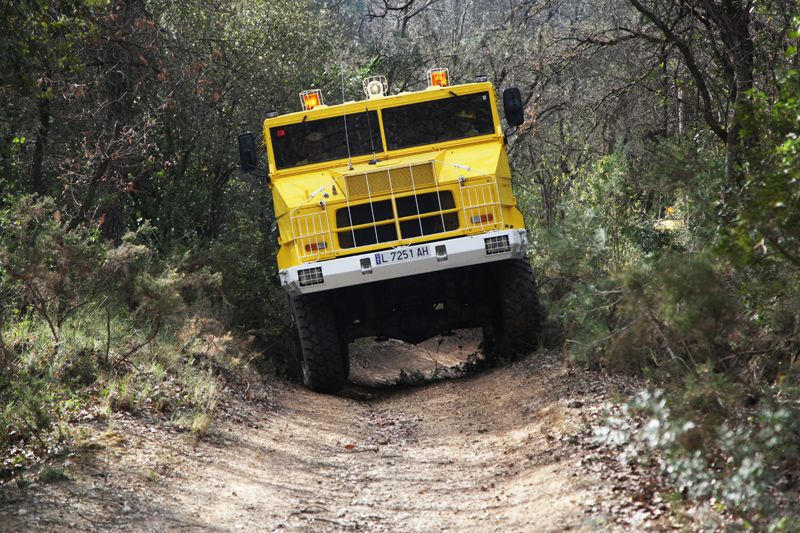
x=710 y=444
x=657 y=166
x=769 y=223
x=92 y=319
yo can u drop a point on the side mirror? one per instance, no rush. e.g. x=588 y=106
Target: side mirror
x=248 y=160
x=512 y=103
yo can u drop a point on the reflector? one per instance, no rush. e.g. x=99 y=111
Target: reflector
x=479 y=219
x=316 y=246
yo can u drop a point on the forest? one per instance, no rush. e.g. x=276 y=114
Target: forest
x=658 y=169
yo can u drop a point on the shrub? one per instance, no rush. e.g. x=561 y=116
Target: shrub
x=709 y=443
x=88 y=316
x=677 y=313
x=60 y=272
x=767 y=226
x=253 y=300
x=52 y=474
x=605 y=228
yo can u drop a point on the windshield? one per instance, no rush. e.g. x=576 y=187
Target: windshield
x=315 y=141
x=452 y=118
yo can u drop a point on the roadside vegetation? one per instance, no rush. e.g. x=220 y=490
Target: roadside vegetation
x=677 y=260
x=659 y=170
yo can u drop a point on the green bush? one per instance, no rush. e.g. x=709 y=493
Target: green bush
x=767 y=227
x=605 y=228
x=89 y=319
x=718 y=332
x=253 y=299
x=53 y=475
x=58 y=272
x=710 y=442
x=677 y=313
x=685 y=175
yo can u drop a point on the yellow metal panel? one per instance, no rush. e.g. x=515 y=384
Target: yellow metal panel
x=382 y=182
x=474 y=169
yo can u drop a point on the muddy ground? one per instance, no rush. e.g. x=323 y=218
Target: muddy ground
x=502 y=449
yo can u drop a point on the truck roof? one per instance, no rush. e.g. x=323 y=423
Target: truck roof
x=353 y=106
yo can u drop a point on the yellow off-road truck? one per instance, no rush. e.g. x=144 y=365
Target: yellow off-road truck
x=397 y=219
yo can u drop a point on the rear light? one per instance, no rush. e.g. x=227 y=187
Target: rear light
x=316 y=246
x=482 y=219
x=497 y=245
x=310 y=276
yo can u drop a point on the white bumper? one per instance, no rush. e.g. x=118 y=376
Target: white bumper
x=369 y=267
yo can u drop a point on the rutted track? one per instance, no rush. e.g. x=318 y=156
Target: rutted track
x=480 y=453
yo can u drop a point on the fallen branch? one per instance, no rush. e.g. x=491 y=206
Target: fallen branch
x=153 y=332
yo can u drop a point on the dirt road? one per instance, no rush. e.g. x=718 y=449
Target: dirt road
x=494 y=451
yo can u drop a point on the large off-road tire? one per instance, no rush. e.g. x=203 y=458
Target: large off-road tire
x=321 y=355
x=344 y=349
x=519 y=315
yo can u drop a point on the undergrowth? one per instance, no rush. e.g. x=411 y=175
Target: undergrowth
x=90 y=329
x=649 y=284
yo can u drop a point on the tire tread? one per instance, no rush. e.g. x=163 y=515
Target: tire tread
x=522 y=314
x=319 y=343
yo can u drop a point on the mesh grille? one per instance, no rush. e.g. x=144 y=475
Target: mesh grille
x=313 y=234
x=310 y=276
x=387 y=181
x=428 y=220
x=497 y=245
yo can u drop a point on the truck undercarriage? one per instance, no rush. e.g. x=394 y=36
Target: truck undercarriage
x=500 y=297
x=415 y=308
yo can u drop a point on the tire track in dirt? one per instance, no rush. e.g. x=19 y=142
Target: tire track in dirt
x=473 y=454
x=487 y=452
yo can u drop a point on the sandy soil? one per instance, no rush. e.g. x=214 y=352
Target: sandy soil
x=495 y=451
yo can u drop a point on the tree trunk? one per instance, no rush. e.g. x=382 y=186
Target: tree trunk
x=215 y=198
x=735 y=33
x=40 y=143
x=119 y=88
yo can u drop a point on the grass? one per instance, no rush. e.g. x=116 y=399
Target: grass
x=51 y=474
x=151 y=475
x=201 y=423
x=176 y=377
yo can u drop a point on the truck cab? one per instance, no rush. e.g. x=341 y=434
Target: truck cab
x=397 y=219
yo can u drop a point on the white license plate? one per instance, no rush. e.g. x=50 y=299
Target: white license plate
x=400 y=255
